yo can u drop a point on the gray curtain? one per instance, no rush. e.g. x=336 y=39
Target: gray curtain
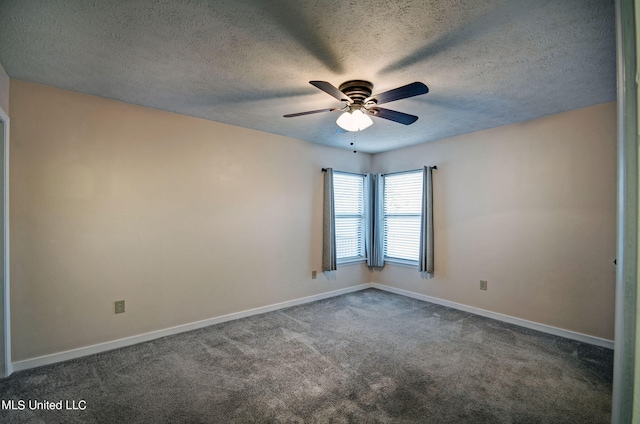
x=368 y=215
x=374 y=239
x=328 y=225
x=426 y=225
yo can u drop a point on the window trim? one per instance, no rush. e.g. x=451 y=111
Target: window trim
x=362 y=257
x=408 y=263
x=352 y=260
x=402 y=172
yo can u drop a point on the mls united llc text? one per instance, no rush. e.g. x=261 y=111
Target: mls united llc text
x=33 y=405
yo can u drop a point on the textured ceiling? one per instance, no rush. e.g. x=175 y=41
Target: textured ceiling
x=487 y=62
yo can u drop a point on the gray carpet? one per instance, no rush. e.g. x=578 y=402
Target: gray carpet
x=365 y=357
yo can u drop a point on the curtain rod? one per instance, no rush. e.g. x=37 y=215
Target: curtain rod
x=409 y=170
x=432 y=167
x=344 y=172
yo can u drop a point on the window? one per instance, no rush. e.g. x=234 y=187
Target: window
x=402 y=213
x=348 y=193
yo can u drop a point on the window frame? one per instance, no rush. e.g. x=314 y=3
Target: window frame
x=411 y=263
x=362 y=217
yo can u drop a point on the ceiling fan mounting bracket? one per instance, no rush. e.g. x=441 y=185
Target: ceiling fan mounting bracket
x=357 y=90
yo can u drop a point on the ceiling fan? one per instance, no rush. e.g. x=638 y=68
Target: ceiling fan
x=359 y=104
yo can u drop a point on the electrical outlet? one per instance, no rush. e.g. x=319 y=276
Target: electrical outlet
x=313 y=275
x=119 y=306
x=483 y=284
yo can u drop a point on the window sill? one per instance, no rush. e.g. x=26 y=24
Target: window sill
x=402 y=263
x=351 y=261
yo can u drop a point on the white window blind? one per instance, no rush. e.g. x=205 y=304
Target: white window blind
x=348 y=192
x=402 y=212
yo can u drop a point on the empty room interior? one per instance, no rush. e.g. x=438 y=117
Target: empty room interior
x=176 y=184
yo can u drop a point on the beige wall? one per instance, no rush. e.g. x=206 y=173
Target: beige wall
x=184 y=218
x=188 y=219
x=4 y=90
x=529 y=207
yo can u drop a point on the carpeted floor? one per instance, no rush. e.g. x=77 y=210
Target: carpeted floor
x=365 y=357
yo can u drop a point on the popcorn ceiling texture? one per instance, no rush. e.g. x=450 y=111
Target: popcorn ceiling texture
x=487 y=63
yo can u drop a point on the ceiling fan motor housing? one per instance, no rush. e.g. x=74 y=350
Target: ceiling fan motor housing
x=357 y=90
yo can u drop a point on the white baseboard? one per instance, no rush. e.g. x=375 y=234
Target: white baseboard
x=128 y=341
x=500 y=317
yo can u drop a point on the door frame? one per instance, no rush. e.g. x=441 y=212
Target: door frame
x=6 y=278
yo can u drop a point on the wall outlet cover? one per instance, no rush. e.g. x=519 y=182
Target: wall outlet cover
x=483 y=284
x=119 y=306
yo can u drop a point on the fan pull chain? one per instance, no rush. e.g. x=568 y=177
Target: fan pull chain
x=354 y=142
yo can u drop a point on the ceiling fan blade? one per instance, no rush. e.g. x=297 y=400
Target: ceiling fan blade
x=293 y=115
x=331 y=90
x=409 y=90
x=393 y=115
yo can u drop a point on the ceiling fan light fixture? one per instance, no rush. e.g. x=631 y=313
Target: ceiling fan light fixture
x=354 y=121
